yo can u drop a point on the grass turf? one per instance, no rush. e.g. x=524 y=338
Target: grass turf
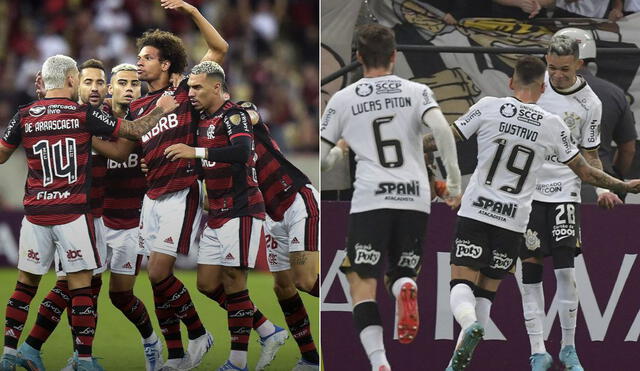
x=118 y=342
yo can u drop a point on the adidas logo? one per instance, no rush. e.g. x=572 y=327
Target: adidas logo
x=169 y=240
x=127 y=266
x=229 y=257
x=10 y=333
x=295 y=240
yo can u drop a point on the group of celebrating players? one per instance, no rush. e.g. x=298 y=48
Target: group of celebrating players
x=113 y=180
x=534 y=149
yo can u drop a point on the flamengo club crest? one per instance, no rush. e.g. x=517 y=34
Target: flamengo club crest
x=211 y=132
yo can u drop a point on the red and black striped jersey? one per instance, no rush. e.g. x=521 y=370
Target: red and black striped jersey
x=56 y=135
x=125 y=188
x=278 y=178
x=96 y=195
x=179 y=126
x=232 y=188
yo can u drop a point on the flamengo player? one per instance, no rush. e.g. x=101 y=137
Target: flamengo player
x=383 y=118
x=514 y=138
x=291 y=232
x=172 y=207
x=92 y=90
x=56 y=133
x=229 y=245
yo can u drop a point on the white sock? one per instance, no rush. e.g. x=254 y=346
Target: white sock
x=10 y=351
x=87 y=359
x=373 y=344
x=483 y=310
x=463 y=305
x=567 y=303
x=151 y=339
x=238 y=358
x=266 y=329
x=533 y=308
x=397 y=286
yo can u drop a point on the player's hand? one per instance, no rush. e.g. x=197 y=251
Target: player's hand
x=530 y=6
x=615 y=15
x=178 y=151
x=609 y=200
x=167 y=103
x=180 y=5
x=453 y=202
x=144 y=167
x=343 y=145
x=633 y=186
x=39 y=85
x=175 y=79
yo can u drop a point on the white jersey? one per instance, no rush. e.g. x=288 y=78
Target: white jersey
x=381 y=120
x=581 y=111
x=513 y=140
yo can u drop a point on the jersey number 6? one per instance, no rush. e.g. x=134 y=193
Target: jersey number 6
x=380 y=144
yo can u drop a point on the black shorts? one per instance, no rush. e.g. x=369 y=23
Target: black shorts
x=491 y=250
x=553 y=230
x=398 y=234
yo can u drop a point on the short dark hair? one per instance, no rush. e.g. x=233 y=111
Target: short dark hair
x=376 y=44
x=528 y=69
x=92 y=63
x=170 y=47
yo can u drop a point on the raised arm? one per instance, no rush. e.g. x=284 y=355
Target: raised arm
x=217 y=45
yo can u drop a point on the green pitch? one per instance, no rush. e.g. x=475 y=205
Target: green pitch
x=118 y=342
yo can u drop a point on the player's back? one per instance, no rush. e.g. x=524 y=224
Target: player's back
x=381 y=120
x=167 y=176
x=514 y=138
x=57 y=142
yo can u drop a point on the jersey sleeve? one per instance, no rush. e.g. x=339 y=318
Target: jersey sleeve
x=12 y=135
x=331 y=124
x=562 y=144
x=100 y=123
x=427 y=100
x=469 y=123
x=238 y=124
x=591 y=128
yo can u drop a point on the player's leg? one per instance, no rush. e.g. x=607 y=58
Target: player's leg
x=281 y=237
x=34 y=259
x=536 y=245
x=79 y=256
x=239 y=240
x=125 y=266
x=566 y=241
x=168 y=227
x=362 y=266
x=302 y=221
x=470 y=253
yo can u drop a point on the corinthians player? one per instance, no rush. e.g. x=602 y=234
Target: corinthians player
x=514 y=138
x=383 y=118
x=554 y=225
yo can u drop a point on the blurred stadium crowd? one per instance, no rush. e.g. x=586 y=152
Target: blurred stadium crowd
x=272 y=60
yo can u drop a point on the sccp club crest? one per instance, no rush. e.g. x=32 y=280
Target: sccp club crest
x=508 y=110
x=531 y=240
x=364 y=89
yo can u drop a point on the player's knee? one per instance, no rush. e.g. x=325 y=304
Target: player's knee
x=531 y=273
x=120 y=298
x=206 y=288
x=305 y=282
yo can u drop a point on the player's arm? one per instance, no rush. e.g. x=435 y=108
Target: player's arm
x=334 y=154
x=599 y=178
x=10 y=139
x=217 y=45
x=118 y=150
x=444 y=139
x=102 y=124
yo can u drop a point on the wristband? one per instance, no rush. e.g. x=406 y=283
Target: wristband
x=200 y=152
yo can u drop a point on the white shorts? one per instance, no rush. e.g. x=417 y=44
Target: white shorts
x=73 y=241
x=124 y=250
x=98 y=225
x=297 y=231
x=170 y=223
x=235 y=244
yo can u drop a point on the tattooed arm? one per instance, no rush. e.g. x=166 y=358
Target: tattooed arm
x=599 y=178
x=134 y=130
